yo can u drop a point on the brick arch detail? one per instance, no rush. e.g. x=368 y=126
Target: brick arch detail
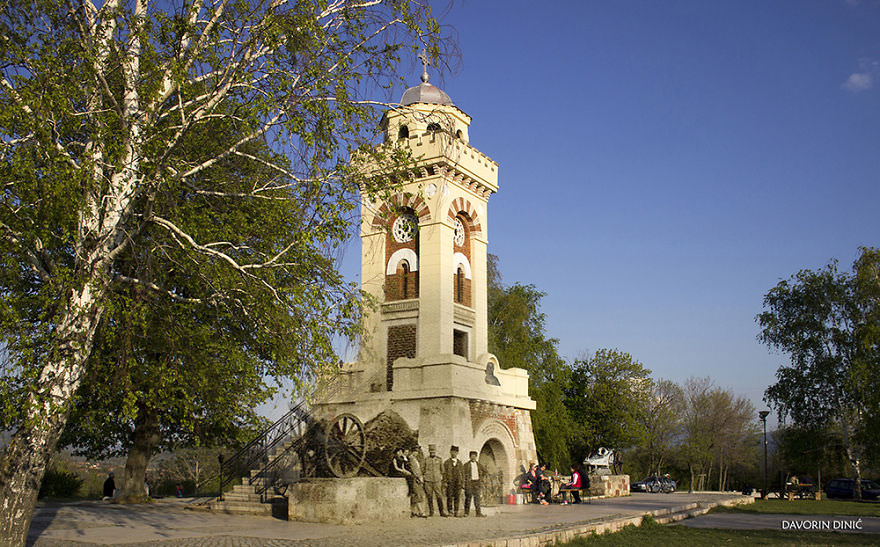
x=387 y=210
x=461 y=205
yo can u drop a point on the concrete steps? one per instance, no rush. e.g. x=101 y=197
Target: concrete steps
x=243 y=498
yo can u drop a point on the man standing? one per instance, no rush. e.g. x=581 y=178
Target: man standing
x=453 y=480
x=472 y=472
x=433 y=480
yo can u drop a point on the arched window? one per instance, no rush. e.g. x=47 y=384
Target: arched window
x=458 y=134
x=403 y=273
x=434 y=127
x=403 y=132
x=459 y=285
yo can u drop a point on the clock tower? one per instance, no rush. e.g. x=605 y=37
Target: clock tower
x=424 y=354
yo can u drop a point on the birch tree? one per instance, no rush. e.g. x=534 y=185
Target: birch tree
x=96 y=102
x=828 y=323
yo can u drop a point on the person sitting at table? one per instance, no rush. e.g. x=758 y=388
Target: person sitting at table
x=533 y=480
x=546 y=487
x=574 y=485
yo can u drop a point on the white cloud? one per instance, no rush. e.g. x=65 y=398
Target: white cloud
x=858 y=81
x=862 y=80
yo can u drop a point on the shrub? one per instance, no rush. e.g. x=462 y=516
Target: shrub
x=59 y=483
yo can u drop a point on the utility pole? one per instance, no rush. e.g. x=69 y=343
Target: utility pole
x=763 y=415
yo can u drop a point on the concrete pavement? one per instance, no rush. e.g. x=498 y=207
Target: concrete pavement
x=169 y=523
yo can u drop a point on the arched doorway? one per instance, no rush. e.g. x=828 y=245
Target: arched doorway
x=494 y=459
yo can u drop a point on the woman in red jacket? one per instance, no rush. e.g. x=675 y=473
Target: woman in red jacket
x=575 y=484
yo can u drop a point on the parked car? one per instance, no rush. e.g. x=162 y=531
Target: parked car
x=845 y=489
x=654 y=484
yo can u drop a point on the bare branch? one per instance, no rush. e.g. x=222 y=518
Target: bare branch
x=206 y=249
x=157 y=288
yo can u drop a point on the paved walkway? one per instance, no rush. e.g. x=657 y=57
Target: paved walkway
x=766 y=521
x=169 y=523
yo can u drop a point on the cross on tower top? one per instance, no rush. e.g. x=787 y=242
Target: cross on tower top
x=423 y=57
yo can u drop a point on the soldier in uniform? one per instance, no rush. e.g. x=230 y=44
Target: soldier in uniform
x=433 y=473
x=472 y=473
x=453 y=481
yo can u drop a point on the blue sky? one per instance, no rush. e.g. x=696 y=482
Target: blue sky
x=664 y=164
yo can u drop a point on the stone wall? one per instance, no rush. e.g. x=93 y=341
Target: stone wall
x=611 y=486
x=348 y=501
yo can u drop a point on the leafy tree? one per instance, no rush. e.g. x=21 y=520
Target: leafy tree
x=818 y=452
x=607 y=397
x=828 y=322
x=96 y=103
x=661 y=423
x=184 y=374
x=719 y=429
x=866 y=367
x=696 y=446
x=518 y=338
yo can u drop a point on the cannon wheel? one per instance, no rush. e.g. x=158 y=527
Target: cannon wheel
x=345 y=446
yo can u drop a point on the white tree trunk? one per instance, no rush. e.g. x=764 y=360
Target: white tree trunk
x=32 y=445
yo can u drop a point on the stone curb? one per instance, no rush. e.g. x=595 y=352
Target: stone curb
x=662 y=516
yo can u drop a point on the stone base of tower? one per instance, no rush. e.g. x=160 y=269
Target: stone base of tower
x=348 y=501
x=449 y=401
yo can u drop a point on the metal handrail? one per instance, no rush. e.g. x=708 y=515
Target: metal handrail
x=270 y=470
x=255 y=454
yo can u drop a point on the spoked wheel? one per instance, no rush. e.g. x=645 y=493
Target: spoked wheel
x=345 y=446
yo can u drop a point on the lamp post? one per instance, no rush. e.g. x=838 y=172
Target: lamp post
x=763 y=415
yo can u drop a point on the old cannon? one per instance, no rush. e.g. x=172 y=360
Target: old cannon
x=299 y=446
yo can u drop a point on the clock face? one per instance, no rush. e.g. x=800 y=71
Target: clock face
x=404 y=228
x=458 y=232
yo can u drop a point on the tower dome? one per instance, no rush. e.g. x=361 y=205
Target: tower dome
x=425 y=93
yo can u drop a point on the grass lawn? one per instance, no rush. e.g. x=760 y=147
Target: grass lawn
x=806 y=507
x=651 y=533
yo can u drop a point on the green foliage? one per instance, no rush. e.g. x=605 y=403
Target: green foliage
x=662 y=426
x=828 y=323
x=607 y=398
x=518 y=338
x=811 y=450
x=60 y=482
x=719 y=430
x=174 y=174
x=201 y=370
x=203 y=156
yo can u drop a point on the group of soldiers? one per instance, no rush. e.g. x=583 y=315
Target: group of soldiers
x=433 y=479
